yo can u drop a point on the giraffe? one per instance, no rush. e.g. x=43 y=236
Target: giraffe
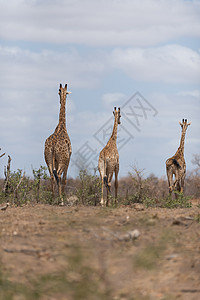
x=109 y=161
x=176 y=166
x=58 y=148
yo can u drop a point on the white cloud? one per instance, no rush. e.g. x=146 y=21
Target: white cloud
x=89 y=22
x=113 y=99
x=27 y=69
x=168 y=64
x=24 y=68
x=193 y=93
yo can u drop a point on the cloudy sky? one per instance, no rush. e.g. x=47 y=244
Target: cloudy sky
x=143 y=56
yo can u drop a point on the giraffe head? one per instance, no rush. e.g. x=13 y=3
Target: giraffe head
x=63 y=92
x=117 y=114
x=184 y=124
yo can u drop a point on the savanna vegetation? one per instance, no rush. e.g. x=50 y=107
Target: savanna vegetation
x=19 y=189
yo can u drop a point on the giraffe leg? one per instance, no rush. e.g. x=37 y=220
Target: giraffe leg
x=108 y=195
x=109 y=188
x=101 y=168
x=182 y=183
x=53 y=185
x=60 y=192
x=59 y=187
x=64 y=180
x=50 y=168
x=116 y=183
x=182 y=189
x=170 y=180
x=177 y=189
x=59 y=173
x=102 y=188
x=176 y=184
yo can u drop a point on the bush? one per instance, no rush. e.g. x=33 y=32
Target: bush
x=86 y=189
x=89 y=189
x=22 y=189
x=180 y=201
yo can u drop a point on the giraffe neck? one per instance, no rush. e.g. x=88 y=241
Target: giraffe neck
x=114 y=132
x=62 y=115
x=182 y=141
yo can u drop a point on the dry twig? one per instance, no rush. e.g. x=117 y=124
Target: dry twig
x=7 y=176
x=17 y=187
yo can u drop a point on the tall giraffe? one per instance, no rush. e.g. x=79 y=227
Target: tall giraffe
x=176 y=166
x=109 y=160
x=58 y=148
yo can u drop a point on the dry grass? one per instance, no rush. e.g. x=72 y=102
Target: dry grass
x=51 y=252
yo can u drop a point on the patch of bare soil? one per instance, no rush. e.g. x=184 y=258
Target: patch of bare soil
x=50 y=252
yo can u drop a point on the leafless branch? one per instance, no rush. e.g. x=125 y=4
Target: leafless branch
x=2 y=155
x=17 y=187
x=196 y=160
x=138 y=181
x=7 y=175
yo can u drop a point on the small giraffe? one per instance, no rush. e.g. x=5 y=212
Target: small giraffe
x=58 y=148
x=109 y=161
x=176 y=166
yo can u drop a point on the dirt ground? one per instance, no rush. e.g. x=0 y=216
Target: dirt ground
x=52 y=252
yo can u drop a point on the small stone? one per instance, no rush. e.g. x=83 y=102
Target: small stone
x=134 y=234
x=172 y=256
x=15 y=233
x=131 y=235
x=51 y=259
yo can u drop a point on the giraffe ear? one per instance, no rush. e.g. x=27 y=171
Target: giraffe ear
x=189 y=124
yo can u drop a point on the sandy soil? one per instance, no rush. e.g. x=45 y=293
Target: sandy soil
x=51 y=252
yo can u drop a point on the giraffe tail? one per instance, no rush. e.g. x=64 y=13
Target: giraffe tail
x=175 y=162
x=56 y=175
x=105 y=180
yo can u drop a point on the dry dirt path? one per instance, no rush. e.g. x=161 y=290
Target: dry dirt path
x=77 y=253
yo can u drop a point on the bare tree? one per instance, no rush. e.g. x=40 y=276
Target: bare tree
x=16 y=196
x=7 y=176
x=196 y=160
x=2 y=154
x=138 y=182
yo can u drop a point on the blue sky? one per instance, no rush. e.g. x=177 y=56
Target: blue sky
x=107 y=52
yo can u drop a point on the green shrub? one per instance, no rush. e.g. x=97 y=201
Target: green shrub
x=89 y=189
x=150 y=202
x=22 y=189
x=38 y=175
x=180 y=201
